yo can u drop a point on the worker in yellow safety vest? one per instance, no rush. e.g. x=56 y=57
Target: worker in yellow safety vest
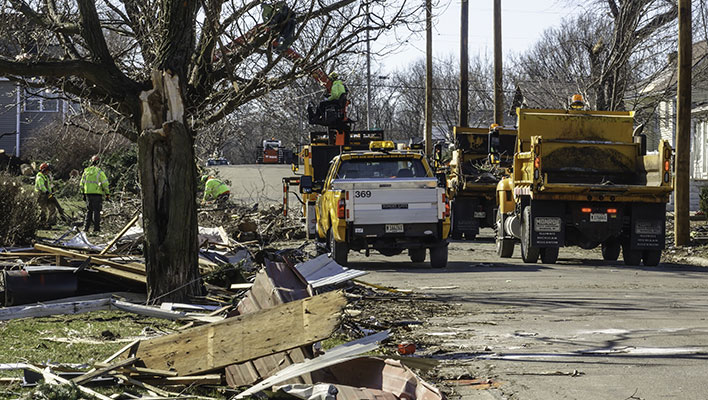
x=94 y=185
x=45 y=195
x=215 y=190
x=338 y=88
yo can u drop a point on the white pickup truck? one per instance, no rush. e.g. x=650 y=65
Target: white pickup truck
x=385 y=200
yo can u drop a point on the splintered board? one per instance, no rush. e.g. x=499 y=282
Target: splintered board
x=234 y=340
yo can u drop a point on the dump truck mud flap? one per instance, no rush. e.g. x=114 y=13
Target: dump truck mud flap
x=310 y=220
x=648 y=226
x=547 y=224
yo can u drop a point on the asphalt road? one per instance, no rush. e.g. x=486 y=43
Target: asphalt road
x=580 y=329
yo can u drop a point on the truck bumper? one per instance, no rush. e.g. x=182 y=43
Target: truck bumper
x=377 y=236
x=587 y=224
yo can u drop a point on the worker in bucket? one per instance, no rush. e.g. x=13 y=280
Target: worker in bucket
x=94 y=186
x=45 y=195
x=215 y=190
x=336 y=100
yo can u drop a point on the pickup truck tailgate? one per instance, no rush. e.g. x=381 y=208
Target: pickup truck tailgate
x=394 y=201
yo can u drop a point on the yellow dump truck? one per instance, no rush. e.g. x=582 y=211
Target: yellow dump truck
x=580 y=178
x=472 y=179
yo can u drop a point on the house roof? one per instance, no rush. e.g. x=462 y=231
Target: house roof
x=665 y=81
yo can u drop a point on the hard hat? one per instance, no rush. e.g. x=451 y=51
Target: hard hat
x=493 y=127
x=577 y=98
x=95 y=159
x=44 y=166
x=333 y=76
x=205 y=178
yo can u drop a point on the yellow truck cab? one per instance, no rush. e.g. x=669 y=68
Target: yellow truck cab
x=584 y=178
x=472 y=179
x=386 y=200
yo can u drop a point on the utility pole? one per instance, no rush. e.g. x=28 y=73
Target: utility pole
x=683 y=126
x=464 y=63
x=498 y=92
x=368 y=72
x=428 y=78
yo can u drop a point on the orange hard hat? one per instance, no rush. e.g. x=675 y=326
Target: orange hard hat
x=44 y=166
x=577 y=98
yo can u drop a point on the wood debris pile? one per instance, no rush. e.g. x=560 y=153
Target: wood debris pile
x=252 y=336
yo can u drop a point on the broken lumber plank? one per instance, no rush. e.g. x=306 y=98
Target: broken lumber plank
x=234 y=340
x=138 y=278
x=51 y=378
x=129 y=267
x=149 y=371
x=120 y=234
x=211 y=379
x=45 y=310
x=102 y=371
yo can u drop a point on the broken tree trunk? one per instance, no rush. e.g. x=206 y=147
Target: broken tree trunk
x=168 y=179
x=234 y=340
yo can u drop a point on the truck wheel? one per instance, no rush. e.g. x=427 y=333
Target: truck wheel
x=528 y=253
x=631 y=257
x=505 y=247
x=610 y=250
x=549 y=255
x=651 y=258
x=338 y=250
x=438 y=257
x=417 y=255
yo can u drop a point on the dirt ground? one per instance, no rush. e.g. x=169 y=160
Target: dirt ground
x=580 y=329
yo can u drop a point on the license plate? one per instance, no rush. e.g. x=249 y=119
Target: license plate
x=480 y=214
x=598 y=217
x=547 y=224
x=394 y=228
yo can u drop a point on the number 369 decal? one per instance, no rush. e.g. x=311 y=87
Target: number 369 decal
x=362 y=193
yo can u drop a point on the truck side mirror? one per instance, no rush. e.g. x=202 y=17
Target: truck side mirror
x=442 y=179
x=305 y=184
x=493 y=145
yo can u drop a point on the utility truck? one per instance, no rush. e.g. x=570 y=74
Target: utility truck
x=472 y=178
x=583 y=178
x=385 y=200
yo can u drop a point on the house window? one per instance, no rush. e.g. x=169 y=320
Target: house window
x=43 y=103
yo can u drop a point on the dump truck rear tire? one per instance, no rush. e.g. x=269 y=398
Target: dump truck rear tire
x=549 y=255
x=338 y=250
x=610 y=250
x=417 y=255
x=651 y=258
x=631 y=257
x=529 y=254
x=438 y=257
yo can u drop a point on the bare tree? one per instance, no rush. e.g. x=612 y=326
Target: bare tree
x=172 y=68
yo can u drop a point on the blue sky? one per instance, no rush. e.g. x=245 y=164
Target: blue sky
x=523 y=21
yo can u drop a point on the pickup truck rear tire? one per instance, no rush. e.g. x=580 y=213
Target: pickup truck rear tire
x=438 y=257
x=651 y=258
x=505 y=247
x=631 y=257
x=610 y=250
x=339 y=250
x=549 y=255
x=417 y=255
x=529 y=254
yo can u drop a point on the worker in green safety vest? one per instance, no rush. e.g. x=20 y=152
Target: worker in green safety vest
x=94 y=185
x=45 y=195
x=215 y=190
